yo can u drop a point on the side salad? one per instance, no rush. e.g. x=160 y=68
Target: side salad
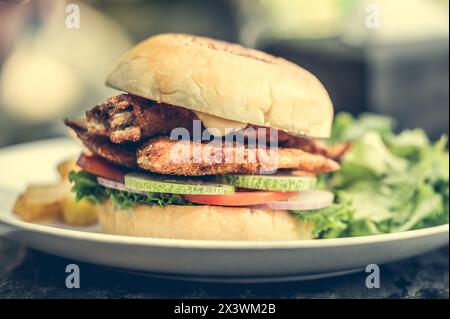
x=388 y=182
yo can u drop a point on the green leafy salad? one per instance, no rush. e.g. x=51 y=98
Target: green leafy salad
x=392 y=182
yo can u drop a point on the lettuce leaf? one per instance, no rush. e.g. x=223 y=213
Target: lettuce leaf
x=85 y=186
x=348 y=128
x=395 y=182
x=329 y=222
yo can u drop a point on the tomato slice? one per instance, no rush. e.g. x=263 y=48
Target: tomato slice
x=240 y=198
x=98 y=166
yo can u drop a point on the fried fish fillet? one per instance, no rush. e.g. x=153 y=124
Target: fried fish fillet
x=162 y=155
x=308 y=145
x=128 y=118
x=314 y=147
x=123 y=154
x=165 y=156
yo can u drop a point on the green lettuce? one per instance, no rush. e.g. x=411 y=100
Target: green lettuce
x=329 y=222
x=395 y=182
x=85 y=186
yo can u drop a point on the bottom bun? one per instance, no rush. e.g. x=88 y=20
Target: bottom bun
x=203 y=222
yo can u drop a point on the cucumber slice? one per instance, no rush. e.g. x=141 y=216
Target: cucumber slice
x=158 y=184
x=278 y=182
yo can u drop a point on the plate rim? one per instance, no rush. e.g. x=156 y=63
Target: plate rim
x=55 y=231
x=8 y=220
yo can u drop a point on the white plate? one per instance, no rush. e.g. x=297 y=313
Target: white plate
x=226 y=261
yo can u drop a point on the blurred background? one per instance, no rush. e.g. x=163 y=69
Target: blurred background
x=384 y=56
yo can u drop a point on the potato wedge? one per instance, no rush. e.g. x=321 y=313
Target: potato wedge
x=78 y=213
x=64 y=168
x=55 y=202
x=41 y=203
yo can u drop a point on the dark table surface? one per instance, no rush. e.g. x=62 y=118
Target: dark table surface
x=26 y=273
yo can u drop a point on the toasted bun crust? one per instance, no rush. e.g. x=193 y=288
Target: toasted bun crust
x=226 y=80
x=202 y=222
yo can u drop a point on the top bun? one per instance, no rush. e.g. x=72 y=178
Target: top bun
x=226 y=80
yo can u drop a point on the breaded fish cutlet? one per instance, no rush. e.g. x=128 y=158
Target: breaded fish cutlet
x=156 y=155
x=165 y=156
x=128 y=118
x=120 y=154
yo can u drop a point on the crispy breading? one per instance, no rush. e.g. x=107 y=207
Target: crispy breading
x=157 y=155
x=123 y=154
x=129 y=118
x=308 y=145
x=165 y=156
x=313 y=146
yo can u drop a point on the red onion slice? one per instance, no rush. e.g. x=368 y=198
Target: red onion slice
x=308 y=200
x=118 y=186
